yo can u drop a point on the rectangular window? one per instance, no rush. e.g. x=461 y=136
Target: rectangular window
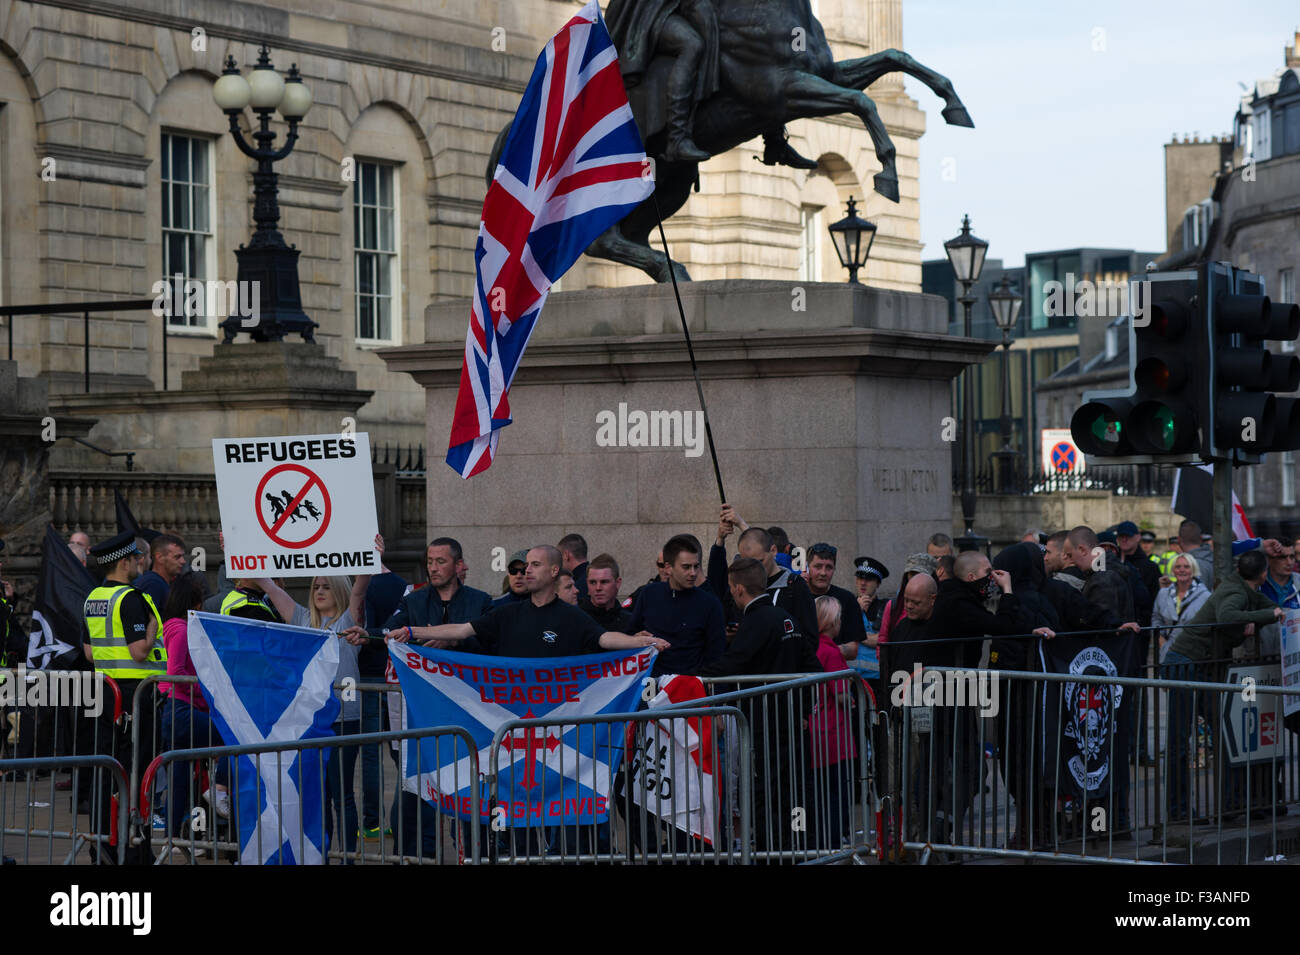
x=810 y=222
x=186 y=225
x=1286 y=293
x=375 y=257
x=1261 y=127
x=1288 y=479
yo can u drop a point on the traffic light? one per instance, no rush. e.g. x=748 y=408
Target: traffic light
x=1201 y=381
x=1248 y=417
x=1156 y=417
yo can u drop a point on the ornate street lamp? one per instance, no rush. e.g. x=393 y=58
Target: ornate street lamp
x=852 y=236
x=1006 y=310
x=266 y=259
x=966 y=253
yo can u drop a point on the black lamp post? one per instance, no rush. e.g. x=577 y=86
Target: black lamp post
x=966 y=254
x=1006 y=310
x=266 y=260
x=852 y=236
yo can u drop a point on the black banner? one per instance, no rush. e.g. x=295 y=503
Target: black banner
x=57 y=621
x=1087 y=727
x=126 y=520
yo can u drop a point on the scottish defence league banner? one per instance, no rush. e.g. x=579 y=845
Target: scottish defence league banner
x=479 y=693
x=1079 y=718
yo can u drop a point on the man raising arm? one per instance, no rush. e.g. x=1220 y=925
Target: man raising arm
x=542 y=625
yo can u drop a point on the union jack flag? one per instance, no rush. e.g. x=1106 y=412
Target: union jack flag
x=573 y=165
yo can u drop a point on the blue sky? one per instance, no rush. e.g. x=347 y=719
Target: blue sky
x=1067 y=148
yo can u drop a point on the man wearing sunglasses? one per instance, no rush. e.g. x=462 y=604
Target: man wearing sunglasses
x=516 y=588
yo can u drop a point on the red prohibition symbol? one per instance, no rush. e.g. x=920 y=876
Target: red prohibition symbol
x=310 y=480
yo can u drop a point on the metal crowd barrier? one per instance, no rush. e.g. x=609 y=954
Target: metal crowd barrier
x=204 y=833
x=32 y=809
x=792 y=759
x=643 y=799
x=820 y=800
x=1076 y=767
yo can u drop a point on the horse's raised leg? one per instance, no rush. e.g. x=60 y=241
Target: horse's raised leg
x=860 y=73
x=612 y=244
x=809 y=95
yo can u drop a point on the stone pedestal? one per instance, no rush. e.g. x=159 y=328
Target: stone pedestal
x=244 y=389
x=827 y=405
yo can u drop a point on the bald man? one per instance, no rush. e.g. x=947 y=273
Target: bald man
x=918 y=607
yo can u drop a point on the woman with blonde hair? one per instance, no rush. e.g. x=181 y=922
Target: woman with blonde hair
x=1177 y=604
x=337 y=603
x=830 y=727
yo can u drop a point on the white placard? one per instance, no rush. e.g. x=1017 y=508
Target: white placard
x=297 y=506
x=1290 y=629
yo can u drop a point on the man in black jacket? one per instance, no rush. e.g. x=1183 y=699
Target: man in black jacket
x=787 y=589
x=821 y=570
x=960 y=613
x=769 y=641
x=1129 y=539
x=601 y=603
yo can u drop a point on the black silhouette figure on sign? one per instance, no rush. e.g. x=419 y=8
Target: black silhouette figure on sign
x=277 y=508
x=297 y=512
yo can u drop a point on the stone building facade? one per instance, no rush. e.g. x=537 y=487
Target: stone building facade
x=117 y=168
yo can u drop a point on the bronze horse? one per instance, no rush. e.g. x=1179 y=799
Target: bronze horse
x=775 y=67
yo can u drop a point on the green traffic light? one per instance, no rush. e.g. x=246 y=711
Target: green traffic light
x=1163 y=428
x=1106 y=429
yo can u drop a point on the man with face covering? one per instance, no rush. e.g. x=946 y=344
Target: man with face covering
x=1021 y=699
x=960 y=613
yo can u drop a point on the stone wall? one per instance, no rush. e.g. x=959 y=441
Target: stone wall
x=27 y=431
x=827 y=422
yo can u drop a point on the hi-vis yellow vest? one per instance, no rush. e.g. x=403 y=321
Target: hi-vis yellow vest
x=238 y=598
x=108 y=643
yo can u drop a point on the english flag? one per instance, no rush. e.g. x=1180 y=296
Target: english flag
x=573 y=164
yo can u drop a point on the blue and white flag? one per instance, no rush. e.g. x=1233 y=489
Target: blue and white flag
x=547 y=775
x=267 y=682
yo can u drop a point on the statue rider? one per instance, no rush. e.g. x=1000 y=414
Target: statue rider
x=688 y=31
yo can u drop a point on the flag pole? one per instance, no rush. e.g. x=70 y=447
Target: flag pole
x=690 y=349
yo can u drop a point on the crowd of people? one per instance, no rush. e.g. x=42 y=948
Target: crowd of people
x=769 y=608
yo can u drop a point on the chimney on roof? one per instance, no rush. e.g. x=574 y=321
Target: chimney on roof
x=1293 y=52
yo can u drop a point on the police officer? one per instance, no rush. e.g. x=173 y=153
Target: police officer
x=124 y=642
x=248 y=600
x=869 y=574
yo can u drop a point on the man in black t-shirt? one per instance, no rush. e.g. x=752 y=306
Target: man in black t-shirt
x=542 y=626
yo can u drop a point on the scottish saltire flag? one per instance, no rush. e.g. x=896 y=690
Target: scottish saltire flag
x=572 y=165
x=268 y=682
x=546 y=775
